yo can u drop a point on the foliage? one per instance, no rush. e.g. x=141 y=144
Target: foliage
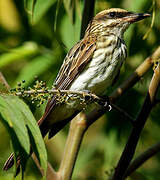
x=35 y=36
x=22 y=127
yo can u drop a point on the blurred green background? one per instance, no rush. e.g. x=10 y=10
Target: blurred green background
x=36 y=46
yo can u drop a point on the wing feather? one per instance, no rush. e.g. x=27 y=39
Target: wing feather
x=77 y=58
x=74 y=63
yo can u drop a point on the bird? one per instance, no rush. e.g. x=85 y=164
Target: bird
x=92 y=64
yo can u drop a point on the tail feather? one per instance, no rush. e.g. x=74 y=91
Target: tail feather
x=9 y=163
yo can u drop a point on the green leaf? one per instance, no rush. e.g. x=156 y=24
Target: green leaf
x=26 y=50
x=14 y=119
x=37 y=8
x=36 y=67
x=37 y=141
x=69 y=32
x=70 y=8
x=22 y=125
x=137 y=5
x=56 y=17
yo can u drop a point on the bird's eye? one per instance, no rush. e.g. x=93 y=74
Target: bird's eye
x=112 y=14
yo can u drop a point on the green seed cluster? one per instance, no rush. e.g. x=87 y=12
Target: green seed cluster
x=19 y=88
x=39 y=97
x=39 y=93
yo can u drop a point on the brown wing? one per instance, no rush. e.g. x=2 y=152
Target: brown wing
x=74 y=63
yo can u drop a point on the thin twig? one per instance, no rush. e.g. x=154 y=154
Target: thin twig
x=131 y=144
x=157 y=101
x=143 y=157
x=124 y=113
x=61 y=92
x=50 y=174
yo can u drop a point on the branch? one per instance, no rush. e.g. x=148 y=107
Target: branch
x=135 y=164
x=157 y=101
x=50 y=174
x=131 y=144
x=74 y=139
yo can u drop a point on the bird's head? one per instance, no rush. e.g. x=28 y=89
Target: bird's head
x=114 y=20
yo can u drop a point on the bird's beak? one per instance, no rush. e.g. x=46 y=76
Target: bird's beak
x=134 y=17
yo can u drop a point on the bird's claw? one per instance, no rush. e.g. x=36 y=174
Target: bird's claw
x=106 y=103
x=110 y=107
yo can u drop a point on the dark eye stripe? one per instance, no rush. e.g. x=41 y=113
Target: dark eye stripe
x=118 y=14
x=114 y=15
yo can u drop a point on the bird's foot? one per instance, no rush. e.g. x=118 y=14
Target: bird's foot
x=105 y=102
